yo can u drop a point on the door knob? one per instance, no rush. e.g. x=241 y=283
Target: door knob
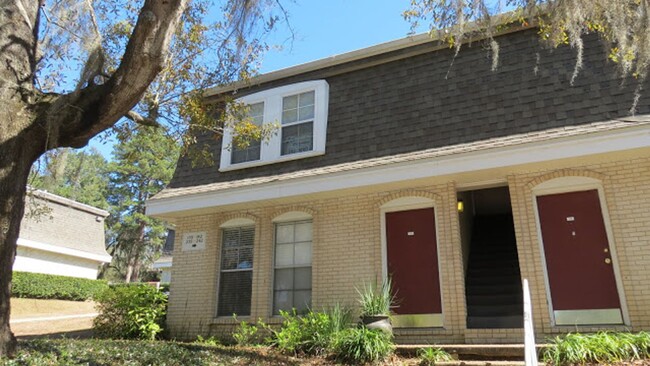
x=608 y=261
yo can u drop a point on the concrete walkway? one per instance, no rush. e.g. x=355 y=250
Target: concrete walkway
x=50 y=318
x=54 y=326
x=37 y=318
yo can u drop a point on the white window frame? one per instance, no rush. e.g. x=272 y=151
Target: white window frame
x=293 y=218
x=271 y=149
x=232 y=148
x=231 y=225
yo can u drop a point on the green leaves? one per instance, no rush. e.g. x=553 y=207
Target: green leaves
x=361 y=345
x=130 y=311
x=313 y=333
x=600 y=348
x=245 y=334
x=430 y=356
x=621 y=24
x=376 y=299
x=77 y=175
x=143 y=163
x=45 y=286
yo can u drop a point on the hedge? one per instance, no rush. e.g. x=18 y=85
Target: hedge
x=46 y=286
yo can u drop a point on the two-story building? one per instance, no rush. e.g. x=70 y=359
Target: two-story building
x=61 y=236
x=455 y=180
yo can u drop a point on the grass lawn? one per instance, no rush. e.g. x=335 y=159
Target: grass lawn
x=95 y=352
x=38 y=308
x=29 y=308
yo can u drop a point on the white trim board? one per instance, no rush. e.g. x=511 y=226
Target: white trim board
x=570 y=147
x=62 y=250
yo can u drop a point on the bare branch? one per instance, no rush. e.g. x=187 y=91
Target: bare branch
x=141 y=120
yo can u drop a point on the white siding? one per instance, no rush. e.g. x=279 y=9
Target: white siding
x=34 y=260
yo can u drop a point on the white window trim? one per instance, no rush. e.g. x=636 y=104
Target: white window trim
x=270 y=149
x=234 y=224
x=292 y=217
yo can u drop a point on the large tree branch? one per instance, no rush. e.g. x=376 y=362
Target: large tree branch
x=77 y=117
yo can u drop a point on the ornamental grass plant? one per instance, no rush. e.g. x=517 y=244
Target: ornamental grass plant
x=600 y=348
x=376 y=299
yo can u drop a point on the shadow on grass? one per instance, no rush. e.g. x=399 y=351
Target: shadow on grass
x=254 y=354
x=75 y=334
x=117 y=352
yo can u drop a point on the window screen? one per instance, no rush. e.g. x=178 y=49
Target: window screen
x=292 y=282
x=236 y=279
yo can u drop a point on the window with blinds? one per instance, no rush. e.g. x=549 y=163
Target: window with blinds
x=236 y=280
x=292 y=281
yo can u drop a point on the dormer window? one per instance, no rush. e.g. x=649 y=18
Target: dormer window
x=300 y=111
x=297 y=123
x=252 y=151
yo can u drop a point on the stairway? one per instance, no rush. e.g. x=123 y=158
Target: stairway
x=493 y=282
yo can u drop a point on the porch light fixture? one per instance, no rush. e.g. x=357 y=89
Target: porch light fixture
x=461 y=206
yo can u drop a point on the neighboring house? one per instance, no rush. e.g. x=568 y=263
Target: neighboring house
x=61 y=236
x=164 y=263
x=455 y=180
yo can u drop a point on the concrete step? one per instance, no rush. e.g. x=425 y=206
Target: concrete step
x=495 y=310
x=493 y=270
x=495 y=299
x=495 y=322
x=481 y=363
x=481 y=353
x=492 y=255
x=494 y=262
x=493 y=280
x=482 y=289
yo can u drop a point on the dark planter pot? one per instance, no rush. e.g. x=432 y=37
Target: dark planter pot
x=381 y=322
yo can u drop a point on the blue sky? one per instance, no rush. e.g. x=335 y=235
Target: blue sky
x=324 y=28
x=328 y=27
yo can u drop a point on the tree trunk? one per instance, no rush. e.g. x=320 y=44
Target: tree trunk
x=15 y=163
x=129 y=271
x=32 y=122
x=135 y=254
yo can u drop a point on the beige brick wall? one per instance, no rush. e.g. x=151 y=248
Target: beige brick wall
x=627 y=196
x=347 y=252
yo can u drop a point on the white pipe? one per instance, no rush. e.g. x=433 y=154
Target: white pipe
x=529 y=333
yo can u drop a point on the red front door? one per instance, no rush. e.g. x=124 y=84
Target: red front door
x=578 y=256
x=413 y=261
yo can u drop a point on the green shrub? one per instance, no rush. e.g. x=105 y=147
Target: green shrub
x=340 y=318
x=164 y=287
x=601 y=347
x=303 y=334
x=46 y=286
x=361 y=345
x=313 y=333
x=246 y=334
x=430 y=356
x=130 y=311
x=210 y=341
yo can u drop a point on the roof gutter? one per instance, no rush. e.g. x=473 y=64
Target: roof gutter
x=435 y=38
